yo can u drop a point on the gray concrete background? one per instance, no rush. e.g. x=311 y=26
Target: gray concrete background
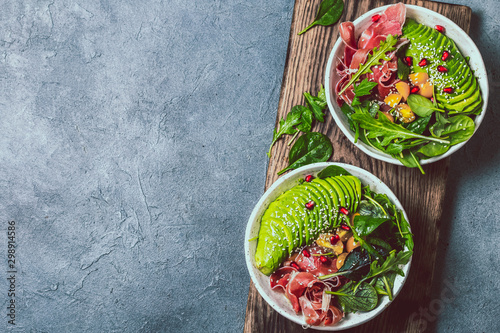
x=132 y=140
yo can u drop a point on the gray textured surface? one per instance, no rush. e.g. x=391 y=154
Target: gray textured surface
x=133 y=140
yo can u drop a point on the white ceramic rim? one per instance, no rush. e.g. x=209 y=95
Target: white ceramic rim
x=272 y=193
x=476 y=63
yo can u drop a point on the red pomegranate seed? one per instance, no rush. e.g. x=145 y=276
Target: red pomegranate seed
x=323 y=259
x=310 y=205
x=344 y=211
x=414 y=90
x=376 y=17
x=423 y=62
x=445 y=55
x=409 y=61
x=334 y=239
x=345 y=226
x=309 y=178
x=294 y=265
x=439 y=28
x=306 y=253
x=442 y=69
x=448 y=90
x=432 y=99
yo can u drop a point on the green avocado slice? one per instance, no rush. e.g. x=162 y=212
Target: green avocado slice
x=323 y=204
x=334 y=196
x=285 y=212
x=297 y=201
x=351 y=192
x=271 y=247
x=346 y=193
x=426 y=42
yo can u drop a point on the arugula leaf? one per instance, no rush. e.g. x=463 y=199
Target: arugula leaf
x=299 y=115
x=362 y=89
x=383 y=127
x=422 y=106
x=332 y=171
x=438 y=127
x=391 y=264
x=374 y=58
x=351 y=299
x=329 y=13
x=309 y=148
x=384 y=284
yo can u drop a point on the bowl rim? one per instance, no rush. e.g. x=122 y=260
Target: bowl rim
x=253 y=271
x=386 y=157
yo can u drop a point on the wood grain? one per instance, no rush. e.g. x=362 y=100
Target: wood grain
x=421 y=195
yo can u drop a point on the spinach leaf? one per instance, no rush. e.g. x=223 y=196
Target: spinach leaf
x=459 y=129
x=422 y=106
x=371 y=208
x=329 y=13
x=356 y=265
x=362 y=89
x=362 y=298
x=374 y=58
x=433 y=149
x=310 y=148
x=332 y=171
x=365 y=225
x=419 y=125
x=403 y=70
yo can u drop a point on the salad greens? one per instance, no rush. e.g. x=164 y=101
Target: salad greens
x=329 y=13
x=332 y=171
x=386 y=244
x=310 y=148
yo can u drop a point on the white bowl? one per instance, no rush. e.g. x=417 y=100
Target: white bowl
x=278 y=300
x=429 y=18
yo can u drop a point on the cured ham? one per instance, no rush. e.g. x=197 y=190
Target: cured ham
x=390 y=22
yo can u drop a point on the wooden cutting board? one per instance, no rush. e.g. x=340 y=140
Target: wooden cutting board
x=421 y=195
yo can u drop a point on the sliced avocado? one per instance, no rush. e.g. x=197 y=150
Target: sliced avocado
x=285 y=211
x=350 y=192
x=346 y=193
x=271 y=248
x=327 y=190
x=356 y=183
x=325 y=211
x=428 y=43
x=334 y=196
x=298 y=201
x=315 y=221
x=322 y=204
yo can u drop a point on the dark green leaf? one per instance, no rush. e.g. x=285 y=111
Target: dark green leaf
x=365 y=225
x=438 y=127
x=419 y=125
x=316 y=109
x=306 y=118
x=310 y=148
x=391 y=264
x=403 y=70
x=362 y=298
x=422 y=106
x=332 y=171
x=329 y=13
x=459 y=129
x=433 y=149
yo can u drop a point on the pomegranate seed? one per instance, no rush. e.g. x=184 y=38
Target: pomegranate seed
x=409 y=61
x=323 y=259
x=376 y=17
x=448 y=90
x=334 y=239
x=414 y=90
x=439 y=28
x=310 y=205
x=309 y=178
x=345 y=226
x=432 y=99
x=423 y=62
x=344 y=211
x=294 y=265
x=306 y=253
x=445 y=55
x=442 y=69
